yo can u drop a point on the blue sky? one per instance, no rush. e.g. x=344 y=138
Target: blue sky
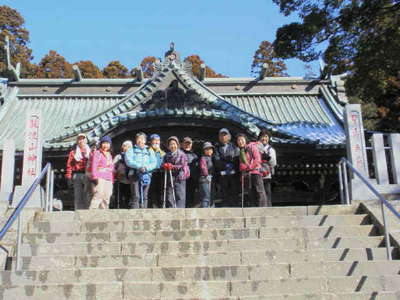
x=225 y=33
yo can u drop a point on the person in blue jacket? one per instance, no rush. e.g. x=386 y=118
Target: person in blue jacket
x=141 y=162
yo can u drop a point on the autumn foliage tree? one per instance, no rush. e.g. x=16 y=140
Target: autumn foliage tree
x=115 y=70
x=12 y=25
x=357 y=37
x=196 y=62
x=148 y=66
x=266 y=54
x=53 y=65
x=89 y=69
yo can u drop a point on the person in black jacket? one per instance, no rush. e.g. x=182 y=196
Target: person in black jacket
x=226 y=159
x=193 y=160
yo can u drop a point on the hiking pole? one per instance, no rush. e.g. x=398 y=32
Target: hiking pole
x=141 y=195
x=242 y=190
x=209 y=186
x=173 y=189
x=118 y=185
x=165 y=189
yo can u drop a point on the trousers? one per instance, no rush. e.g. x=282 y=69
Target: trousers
x=139 y=200
x=101 y=194
x=81 y=190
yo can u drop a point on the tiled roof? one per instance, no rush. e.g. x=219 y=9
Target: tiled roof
x=59 y=113
x=282 y=109
x=310 y=118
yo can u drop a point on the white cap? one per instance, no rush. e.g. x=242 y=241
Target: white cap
x=127 y=143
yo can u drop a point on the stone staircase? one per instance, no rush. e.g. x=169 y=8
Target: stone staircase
x=310 y=252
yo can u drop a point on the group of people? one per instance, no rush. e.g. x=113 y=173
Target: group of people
x=143 y=175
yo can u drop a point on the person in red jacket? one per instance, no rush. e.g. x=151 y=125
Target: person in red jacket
x=250 y=165
x=75 y=174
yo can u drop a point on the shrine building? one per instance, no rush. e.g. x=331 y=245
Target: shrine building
x=305 y=117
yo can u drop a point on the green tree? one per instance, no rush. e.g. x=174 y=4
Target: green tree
x=266 y=54
x=12 y=25
x=361 y=38
x=115 y=70
x=53 y=65
x=89 y=69
x=197 y=62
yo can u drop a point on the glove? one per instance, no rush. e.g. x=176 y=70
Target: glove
x=95 y=181
x=229 y=166
x=167 y=166
x=265 y=173
x=145 y=179
x=209 y=178
x=243 y=168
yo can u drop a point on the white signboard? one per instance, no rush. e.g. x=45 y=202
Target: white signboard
x=355 y=138
x=32 y=163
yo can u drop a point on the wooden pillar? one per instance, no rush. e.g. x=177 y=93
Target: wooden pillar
x=7 y=171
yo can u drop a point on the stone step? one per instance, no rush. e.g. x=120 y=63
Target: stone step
x=194 y=213
x=201 y=273
x=246 y=258
x=203 y=289
x=187 y=224
x=325 y=296
x=172 y=247
x=195 y=234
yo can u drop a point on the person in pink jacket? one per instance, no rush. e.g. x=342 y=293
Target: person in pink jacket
x=101 y=171
x=250 y=165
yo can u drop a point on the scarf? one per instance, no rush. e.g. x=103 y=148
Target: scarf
x=78 y=153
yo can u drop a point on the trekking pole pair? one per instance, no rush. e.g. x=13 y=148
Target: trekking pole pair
x=172 y=187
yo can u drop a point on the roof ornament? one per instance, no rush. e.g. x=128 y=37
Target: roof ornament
x=263 y=72
x=139 y=74
x=322 y=68
x=202 y=72
x=338 y=83
x=15 y=71
x=77 y=73
x=172 y=55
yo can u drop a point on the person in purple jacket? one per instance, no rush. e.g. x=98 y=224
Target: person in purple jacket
x=176 y=162
x=206 y=175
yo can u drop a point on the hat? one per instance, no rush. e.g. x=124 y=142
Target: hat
x=154 y=136
x=224 y=130
x=139 y=134
x=173 y=138
x=187 y=140
x=105 y=139
x=81 y=135
x=207 y=145
x=127 y=143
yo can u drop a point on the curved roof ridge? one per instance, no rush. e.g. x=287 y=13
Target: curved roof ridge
x=128 y=103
